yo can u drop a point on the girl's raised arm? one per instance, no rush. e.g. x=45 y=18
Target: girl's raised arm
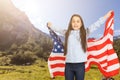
x=100 y=21
x=56 y=29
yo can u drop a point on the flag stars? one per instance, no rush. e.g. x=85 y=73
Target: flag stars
x=55 y=43
x=55 y=50
x=62 y=50
x=58 y=46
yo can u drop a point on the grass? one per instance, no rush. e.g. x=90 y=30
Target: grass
x=39 y=71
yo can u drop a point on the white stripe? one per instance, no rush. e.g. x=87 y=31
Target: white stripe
x=112 y=26
x=56 y=54
x=104 y=65
x=112 y=56
x=111 y=37
x=113 y=67
x=57 y=69
x=109 y=23
x=50 y=69
x=56 y=61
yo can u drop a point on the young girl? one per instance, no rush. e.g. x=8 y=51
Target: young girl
x=75 y=45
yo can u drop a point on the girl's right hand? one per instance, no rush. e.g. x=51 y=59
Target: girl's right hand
x=49 y=24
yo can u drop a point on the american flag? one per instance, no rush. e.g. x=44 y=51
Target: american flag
x=99 y=52
x=56 y=60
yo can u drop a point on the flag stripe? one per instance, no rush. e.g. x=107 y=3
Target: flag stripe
x=111 y=51
x=98 y=42
x=58 y=73
x=58 y=65
x=99 y=46
x=57 y=58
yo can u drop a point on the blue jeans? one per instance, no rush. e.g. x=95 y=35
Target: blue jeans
x=74 y=71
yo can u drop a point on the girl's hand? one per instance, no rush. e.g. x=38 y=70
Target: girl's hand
x=49 y=24
x=108 y=14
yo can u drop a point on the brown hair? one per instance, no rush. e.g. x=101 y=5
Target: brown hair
x=82 y=34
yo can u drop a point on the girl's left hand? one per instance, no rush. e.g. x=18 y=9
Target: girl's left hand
x=108 y=14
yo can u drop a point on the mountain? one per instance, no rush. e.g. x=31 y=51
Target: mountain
x=15 y=26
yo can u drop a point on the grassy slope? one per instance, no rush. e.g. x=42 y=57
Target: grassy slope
x=39 y=71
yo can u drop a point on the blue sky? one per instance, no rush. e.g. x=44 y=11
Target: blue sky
x=59 y=12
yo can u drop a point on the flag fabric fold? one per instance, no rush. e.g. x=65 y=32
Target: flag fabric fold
x=99 y=52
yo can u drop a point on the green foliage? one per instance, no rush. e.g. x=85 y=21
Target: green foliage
x=5 y=60
x=30 y=51
x=20 y=58
x=3 y=53
x=117 y=47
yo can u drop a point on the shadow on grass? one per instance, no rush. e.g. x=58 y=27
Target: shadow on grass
x=93 y=67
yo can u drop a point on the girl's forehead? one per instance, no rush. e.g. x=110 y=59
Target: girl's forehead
x=75 y=17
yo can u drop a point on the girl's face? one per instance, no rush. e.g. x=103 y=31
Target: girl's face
x=76 y=23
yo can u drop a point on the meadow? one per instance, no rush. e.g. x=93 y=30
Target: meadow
x=39 y=71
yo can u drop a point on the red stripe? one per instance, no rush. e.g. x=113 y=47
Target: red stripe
x=57 y=65
x=112 y=73
x=103 y=62
x=110 y=31
x=113 y=61
x=58 y=73
x=56 y=58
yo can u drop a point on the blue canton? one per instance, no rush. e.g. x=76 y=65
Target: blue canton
x=57 y=43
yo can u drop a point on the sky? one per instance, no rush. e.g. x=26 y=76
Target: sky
x=59 y=12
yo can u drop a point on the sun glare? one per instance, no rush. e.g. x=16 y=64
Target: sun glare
x=30 y=7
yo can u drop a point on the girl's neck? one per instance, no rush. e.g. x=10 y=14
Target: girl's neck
x=75 y=30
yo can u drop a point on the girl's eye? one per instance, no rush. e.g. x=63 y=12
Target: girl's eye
x=73 y=21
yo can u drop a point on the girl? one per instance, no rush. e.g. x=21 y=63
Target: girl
x=75 y=45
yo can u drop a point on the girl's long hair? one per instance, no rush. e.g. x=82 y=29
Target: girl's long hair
x=82 y=34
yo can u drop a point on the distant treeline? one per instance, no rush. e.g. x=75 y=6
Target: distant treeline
x=28 y=53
